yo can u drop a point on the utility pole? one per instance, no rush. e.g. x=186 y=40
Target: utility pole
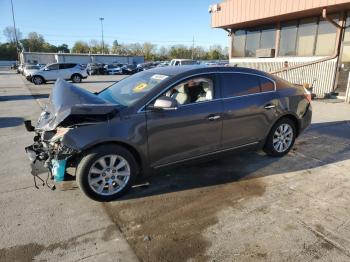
x=15 y=30
x=193 y=48
x=103 y=43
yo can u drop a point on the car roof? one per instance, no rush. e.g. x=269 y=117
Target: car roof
x=194 y=69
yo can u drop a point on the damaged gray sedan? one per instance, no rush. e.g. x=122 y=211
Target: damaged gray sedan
x=162 y=117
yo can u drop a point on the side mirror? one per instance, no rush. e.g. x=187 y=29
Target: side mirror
x=164 y=103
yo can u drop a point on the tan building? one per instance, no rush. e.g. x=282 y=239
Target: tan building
x=304 y=41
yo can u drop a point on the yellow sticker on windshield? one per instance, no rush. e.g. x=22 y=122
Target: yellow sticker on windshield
x=139 y=87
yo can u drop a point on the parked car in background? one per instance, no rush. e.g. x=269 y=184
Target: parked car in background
x=163 y=64
x=182 y=62
x=113 y=69
x=29 y=70
x=20 y=69
x=129 y=69
x=128 y=129
x=146 y=66
x=96 y=69
x=67 y=71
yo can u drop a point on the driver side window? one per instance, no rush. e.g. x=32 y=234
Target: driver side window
x=193 y=90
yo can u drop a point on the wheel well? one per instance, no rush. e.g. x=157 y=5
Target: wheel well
x=295 y=120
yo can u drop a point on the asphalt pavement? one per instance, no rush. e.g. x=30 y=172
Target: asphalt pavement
x=243 y=207
x=40 y=224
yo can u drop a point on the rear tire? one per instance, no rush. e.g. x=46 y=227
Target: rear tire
x=106 y=182
x=76 y=78
x=281 y=138
x=38 y=80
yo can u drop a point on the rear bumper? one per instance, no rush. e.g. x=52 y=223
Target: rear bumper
x=305 y=121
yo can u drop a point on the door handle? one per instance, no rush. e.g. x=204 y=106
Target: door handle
x=213 y=118
x=270 y=106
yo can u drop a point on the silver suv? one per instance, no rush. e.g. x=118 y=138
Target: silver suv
x=67 y=71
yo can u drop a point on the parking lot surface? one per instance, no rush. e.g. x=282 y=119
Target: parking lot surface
x=44 y=225
x=246 y=207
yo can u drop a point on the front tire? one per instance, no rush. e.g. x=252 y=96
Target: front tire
x=281 y=138
x=107 y=172
x=38 y=80
x=76 y=78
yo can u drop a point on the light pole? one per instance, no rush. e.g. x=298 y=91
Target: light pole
x=15 y=30
x=103 y=44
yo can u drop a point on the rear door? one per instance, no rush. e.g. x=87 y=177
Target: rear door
x=66 y=70
x=193 y=129
x=249 y=103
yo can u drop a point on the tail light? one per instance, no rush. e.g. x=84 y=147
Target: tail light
x=307 y=92
x=307 y=95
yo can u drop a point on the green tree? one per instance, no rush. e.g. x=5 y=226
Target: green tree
x=34 y=43
x=8 y=51
x=63 y=48
x=81 y=47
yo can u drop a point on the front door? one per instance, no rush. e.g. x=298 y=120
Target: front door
x=193 y=129
x=51 y=72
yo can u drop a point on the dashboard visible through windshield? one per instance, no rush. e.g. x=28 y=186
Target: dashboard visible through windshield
x=133 y=88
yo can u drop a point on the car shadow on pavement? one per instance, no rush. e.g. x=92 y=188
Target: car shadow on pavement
x=22 y=97
x=10 y=121
x=320 y=145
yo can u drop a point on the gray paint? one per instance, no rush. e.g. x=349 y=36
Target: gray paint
x=164 y=137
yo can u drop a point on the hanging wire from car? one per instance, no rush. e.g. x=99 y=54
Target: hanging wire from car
x=44 y=182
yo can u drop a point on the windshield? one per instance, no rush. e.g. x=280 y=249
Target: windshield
x=132 y=89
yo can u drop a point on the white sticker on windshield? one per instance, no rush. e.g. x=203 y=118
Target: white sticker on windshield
x=159 y=77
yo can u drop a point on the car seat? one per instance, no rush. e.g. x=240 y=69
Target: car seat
x=206 y=94
x=180 y=95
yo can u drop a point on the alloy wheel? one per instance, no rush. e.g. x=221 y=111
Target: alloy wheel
x=283 y=138
x=109 y=175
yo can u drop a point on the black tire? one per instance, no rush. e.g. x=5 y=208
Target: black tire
x=76 y=78
x=38 y=80
x=269 y=147
x=88 y=160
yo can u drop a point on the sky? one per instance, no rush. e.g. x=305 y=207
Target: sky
x=162 y=22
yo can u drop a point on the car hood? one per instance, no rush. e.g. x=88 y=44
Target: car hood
x=71 y=104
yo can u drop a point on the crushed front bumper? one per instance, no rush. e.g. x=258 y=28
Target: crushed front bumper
x=37 y=165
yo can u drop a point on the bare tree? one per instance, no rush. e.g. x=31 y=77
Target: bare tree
x=9 y=33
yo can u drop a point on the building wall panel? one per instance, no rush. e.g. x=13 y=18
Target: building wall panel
x=320 y=75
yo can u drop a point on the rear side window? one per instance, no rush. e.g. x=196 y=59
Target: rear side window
x=67 y=66
x=237 y=84
x=266 y=85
